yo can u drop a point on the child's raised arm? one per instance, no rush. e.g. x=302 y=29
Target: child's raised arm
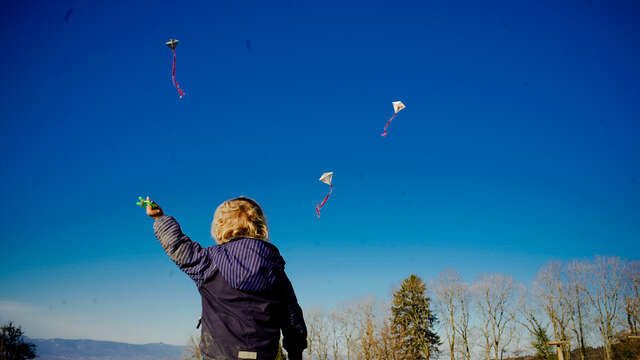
x=187 y=254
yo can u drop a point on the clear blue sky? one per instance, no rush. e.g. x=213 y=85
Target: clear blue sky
x=519 y=144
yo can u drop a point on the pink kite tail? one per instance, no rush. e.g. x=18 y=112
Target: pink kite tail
x=319 y=206
x=386 y=126
x=173 y=75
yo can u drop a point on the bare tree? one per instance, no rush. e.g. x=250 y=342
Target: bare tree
x=550 y=289
x=447 y=291
x=192 y=350
x=311 y=333
x=453 y=301
x=386 y=347
x=318 y=337
x=322 y=336
x=486 y=324
x=576 y=301
x=604 y=294
x=632 y=296
x=495 y=301
x=346 y=323
x=366 y=329
x=335 y=335
x=527 y=314
x=464 y=300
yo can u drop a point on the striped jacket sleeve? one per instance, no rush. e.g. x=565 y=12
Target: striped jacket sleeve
x=187 y=254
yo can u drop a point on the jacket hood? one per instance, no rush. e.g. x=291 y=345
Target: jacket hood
x=249 y=265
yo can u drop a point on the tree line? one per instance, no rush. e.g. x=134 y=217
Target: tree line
x=579 y=304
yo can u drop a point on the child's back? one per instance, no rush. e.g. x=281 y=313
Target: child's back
x=246 y=295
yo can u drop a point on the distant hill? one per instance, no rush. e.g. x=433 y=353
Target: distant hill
x=63 y=349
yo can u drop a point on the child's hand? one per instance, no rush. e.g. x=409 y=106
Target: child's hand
x=155 y=211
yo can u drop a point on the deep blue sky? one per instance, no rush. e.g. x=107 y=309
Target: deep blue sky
x=519 y=144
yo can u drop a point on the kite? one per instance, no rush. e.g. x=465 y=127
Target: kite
x=397 y=106
x=325 y=178
x=143 y=203
x=172 y=44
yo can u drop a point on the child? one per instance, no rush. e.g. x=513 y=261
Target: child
x=246 y=295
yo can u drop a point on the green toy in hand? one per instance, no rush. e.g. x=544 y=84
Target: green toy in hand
x=143 y=203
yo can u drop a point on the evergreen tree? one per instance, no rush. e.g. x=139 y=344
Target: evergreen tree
x=13 y=346
x=413 y=322
x=544 y=351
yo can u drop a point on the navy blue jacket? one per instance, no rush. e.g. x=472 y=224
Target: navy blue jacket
x=247 y=298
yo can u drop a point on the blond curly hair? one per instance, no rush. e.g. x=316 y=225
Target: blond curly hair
x=239 y=217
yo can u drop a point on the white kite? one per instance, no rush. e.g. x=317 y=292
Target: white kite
x=397 y=106
x=325 y=178
x=172 y=43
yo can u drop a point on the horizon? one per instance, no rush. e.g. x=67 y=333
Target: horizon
x=96 y=340
x=518 y=145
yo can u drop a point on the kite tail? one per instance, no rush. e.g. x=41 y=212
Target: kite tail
x=319 y=206
x=386 y=126
x=173 y=75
